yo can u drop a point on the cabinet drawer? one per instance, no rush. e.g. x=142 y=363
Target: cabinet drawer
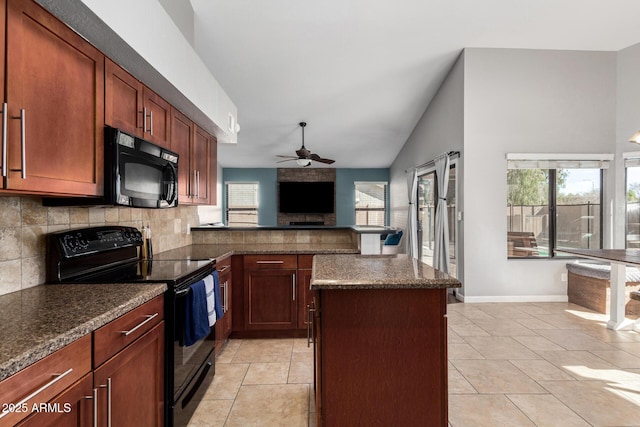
x=43 y=380
x=119 y=333
x=305 y=262
x=223 y=265
x=270 y=261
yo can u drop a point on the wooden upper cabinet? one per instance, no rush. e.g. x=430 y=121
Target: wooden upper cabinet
x=123 y=100
x=157 y=118
x=194 y=146
x=181 y=138
x=55 y=99
x=200 y=163
x=134 y=108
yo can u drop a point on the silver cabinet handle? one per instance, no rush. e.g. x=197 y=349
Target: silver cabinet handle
x=270 y=262
x=144 y=120
x=23 y=143
x=95 y=406
x=57 y=378
x=226 y=296
x=197 y=184
x=293 y=286
x=148 y=319
x=310 y=333
x=225 y=268
x=193 y=189
x=108 y=387
x=151 y=123
x=5 y=166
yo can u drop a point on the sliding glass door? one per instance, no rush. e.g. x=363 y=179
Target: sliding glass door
x=427 y=197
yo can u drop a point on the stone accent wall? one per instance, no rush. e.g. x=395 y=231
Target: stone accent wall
x=24 y=222
x=307 y=175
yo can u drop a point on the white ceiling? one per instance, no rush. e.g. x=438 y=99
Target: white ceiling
x=362 y=72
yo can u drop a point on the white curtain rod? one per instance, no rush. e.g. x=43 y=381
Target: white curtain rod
x=451 y=154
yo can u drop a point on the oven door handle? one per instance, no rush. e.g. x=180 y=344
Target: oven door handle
x=149 y=318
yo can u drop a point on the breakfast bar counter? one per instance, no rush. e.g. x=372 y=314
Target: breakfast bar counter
x=380 y=337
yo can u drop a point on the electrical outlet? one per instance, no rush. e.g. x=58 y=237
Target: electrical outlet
x=563 y=277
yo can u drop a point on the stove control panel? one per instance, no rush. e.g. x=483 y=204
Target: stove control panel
x=86 y=241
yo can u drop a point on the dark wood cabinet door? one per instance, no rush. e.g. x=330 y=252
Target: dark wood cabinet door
x=123 y=100
x=55 y=82
x=157 y=122
x=181 y=138
x=200 y=163
x=270 y=297
x=136 y=378
x=223 y=326
x=71 y=408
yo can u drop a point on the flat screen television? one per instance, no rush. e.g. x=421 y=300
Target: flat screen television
x=306 y=197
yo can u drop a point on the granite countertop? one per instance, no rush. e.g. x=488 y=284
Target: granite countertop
x=220 y=251
x=377 y=272
x=40 y=320
x=360 y=229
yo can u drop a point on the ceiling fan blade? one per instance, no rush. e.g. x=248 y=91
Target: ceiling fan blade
x=286 y=157
x=287 y=160
x=317 y=158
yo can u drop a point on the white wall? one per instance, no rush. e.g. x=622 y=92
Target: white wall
x=628 y=122
x=440 y=129
x=526 y=101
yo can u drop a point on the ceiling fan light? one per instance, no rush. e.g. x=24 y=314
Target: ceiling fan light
x=635 y=137
x=303 y=162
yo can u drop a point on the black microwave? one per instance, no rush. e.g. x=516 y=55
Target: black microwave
x=137 y=173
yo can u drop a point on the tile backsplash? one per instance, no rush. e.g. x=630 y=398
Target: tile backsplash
x=24 y=222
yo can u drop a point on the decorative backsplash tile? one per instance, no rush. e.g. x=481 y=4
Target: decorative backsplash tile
x=24 y=223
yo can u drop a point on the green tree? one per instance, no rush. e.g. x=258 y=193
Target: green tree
x=527 y=186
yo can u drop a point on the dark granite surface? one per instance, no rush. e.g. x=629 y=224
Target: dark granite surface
x=220 y=251
x=36 y=322
x=360 y=229
x=376 y=272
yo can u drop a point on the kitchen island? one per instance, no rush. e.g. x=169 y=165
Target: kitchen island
x=380 y=336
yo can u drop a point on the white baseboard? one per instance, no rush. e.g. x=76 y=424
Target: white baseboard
x=514 y=298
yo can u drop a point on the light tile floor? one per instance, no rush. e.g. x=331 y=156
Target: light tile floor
x=510 y=364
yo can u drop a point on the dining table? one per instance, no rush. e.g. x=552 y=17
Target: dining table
x=619 y=259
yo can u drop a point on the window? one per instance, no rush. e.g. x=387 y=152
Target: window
x=553 y=205
x=371 y=203
x=242 y=204
x=632 y=232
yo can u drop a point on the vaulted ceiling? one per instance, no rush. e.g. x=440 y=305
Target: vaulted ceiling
x=362 y=72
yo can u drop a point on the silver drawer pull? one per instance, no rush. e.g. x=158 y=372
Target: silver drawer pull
x=270 y=262
x=57 y=378
x=5 y=165
x=95 y=406
x=225 y=268
x=148 y=319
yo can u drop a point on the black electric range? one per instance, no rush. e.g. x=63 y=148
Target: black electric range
x=110 y=254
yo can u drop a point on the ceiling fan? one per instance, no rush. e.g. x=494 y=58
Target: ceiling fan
x=303 y=156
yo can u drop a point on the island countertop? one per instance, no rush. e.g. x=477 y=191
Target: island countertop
x=377 y=272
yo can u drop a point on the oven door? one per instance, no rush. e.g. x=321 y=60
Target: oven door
x=193 y=366
x=146 y=174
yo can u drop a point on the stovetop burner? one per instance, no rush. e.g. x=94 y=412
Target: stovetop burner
x=110 y=255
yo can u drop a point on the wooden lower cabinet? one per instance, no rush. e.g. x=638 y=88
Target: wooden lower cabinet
x=223 y=325
x=131 y=384
x=72 y=408
x=271 y=298
x=381 y=357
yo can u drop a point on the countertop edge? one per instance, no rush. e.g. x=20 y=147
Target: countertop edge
x=42 y=350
